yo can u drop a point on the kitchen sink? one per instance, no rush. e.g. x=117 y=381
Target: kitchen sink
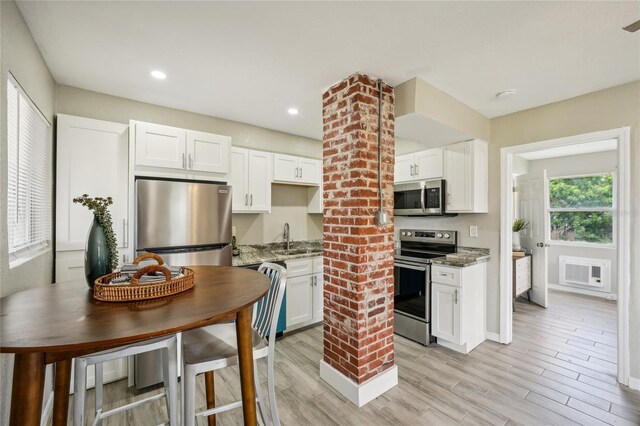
x=293 y=251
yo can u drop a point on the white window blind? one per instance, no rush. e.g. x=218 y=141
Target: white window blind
x=29 y=174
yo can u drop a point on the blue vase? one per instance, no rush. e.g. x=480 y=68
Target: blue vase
x=97 y=258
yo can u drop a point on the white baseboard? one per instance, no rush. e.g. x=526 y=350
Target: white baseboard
x=494 y=337
x=47 y=411
x=586 y=292
x=634 y=383
x=359 y=394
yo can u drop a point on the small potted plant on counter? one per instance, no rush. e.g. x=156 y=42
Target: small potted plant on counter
x=101 y=252
x=518 y=225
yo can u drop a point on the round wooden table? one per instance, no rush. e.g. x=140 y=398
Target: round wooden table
x=55 y=323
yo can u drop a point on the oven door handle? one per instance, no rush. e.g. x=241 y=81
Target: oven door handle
x=408 y=266
x=422 y=193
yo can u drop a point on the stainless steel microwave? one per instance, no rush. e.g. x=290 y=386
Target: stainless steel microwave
x=422 y=198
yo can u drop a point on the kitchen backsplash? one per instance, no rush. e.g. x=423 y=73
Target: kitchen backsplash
x=289 y=203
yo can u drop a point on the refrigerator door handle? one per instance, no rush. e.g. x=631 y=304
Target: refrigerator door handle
x=125 y=239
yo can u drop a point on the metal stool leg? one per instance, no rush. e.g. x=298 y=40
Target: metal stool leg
x=272 y=390
x=79 y=391
x=172 y=373
x=261 y=407
x=189 y=396
x=99 y=392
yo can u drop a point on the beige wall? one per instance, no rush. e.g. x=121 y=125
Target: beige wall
x=606 y=109
x=417 y=96
x=289 y=203
x=20 y=56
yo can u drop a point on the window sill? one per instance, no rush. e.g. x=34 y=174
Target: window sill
x=582 y=245
x=27 y=256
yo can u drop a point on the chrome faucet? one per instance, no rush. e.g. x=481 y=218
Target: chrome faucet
x=287 y=235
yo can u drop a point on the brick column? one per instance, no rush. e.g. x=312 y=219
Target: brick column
x=358 y=254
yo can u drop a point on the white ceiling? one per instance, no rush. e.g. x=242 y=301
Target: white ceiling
x=565 y=151
x=250 y=61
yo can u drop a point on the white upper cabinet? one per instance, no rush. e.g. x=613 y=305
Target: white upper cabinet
x=92 y=158
x=160 y=146
x=166 y=151
x=260 y=164
x=239 y=179
x=403 y=170
x=466 y=174
x=310 y=170
x=251 y=180
x=296 y=170
x=426 y=164
x=207 y=152
x=429 y=164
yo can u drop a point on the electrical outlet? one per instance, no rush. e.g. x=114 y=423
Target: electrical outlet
x=473 y=231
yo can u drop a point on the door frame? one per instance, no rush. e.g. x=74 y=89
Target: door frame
x=623 y=188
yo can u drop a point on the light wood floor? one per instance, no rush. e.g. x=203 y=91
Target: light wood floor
x=560 y=369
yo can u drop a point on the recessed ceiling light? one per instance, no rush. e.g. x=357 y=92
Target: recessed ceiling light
x=506 y=93
x=293 y=111
x=158 y=74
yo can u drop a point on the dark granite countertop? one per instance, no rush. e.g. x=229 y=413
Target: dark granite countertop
x=274 y=252
x=465 y=256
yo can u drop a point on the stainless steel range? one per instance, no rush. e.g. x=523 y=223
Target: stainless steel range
x=412 y=274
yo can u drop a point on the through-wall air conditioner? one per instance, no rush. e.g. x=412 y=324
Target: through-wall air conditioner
x=594 y=274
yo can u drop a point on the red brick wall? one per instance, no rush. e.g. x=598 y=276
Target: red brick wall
x=358 y=255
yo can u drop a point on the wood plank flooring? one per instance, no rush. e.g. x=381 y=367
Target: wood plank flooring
x=560 y=370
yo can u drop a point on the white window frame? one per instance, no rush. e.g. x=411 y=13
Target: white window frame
x=33 y=248
x=612 y=210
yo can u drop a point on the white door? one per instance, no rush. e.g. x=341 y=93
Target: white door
x=403 y=170
x=207 y=152
x=318 y=285
x=532 y=195
x=458 y=174
x=160 y=146
x=310 y=170
x=446 y=313
x=429 y=164
x=259 y=184
x=299 y=300
x=92 y=158
x=239 y=179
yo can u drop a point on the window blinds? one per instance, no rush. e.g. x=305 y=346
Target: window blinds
x=29 y=173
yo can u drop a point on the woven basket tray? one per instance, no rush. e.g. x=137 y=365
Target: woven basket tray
x=106 y=292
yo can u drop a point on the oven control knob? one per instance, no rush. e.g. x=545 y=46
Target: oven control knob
x=404 y=234
x=408 y=234
x=447 y=236
x=439 y=235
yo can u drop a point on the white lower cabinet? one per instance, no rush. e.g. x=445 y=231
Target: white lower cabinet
x=458 y=304
x=304 y=292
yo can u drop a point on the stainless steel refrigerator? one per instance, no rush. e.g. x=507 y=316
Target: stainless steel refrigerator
x=187 y=223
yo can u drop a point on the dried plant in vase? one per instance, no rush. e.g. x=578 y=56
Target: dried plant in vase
x=101 y=251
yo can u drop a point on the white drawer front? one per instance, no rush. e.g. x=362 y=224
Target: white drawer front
x=445 y=275
x=317 y=265
x=523 y=263
x=299 y=267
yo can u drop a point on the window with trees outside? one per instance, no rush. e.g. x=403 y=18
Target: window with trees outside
x=581 y=209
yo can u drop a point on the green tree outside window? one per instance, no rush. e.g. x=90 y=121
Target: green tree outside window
x=581 y=208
